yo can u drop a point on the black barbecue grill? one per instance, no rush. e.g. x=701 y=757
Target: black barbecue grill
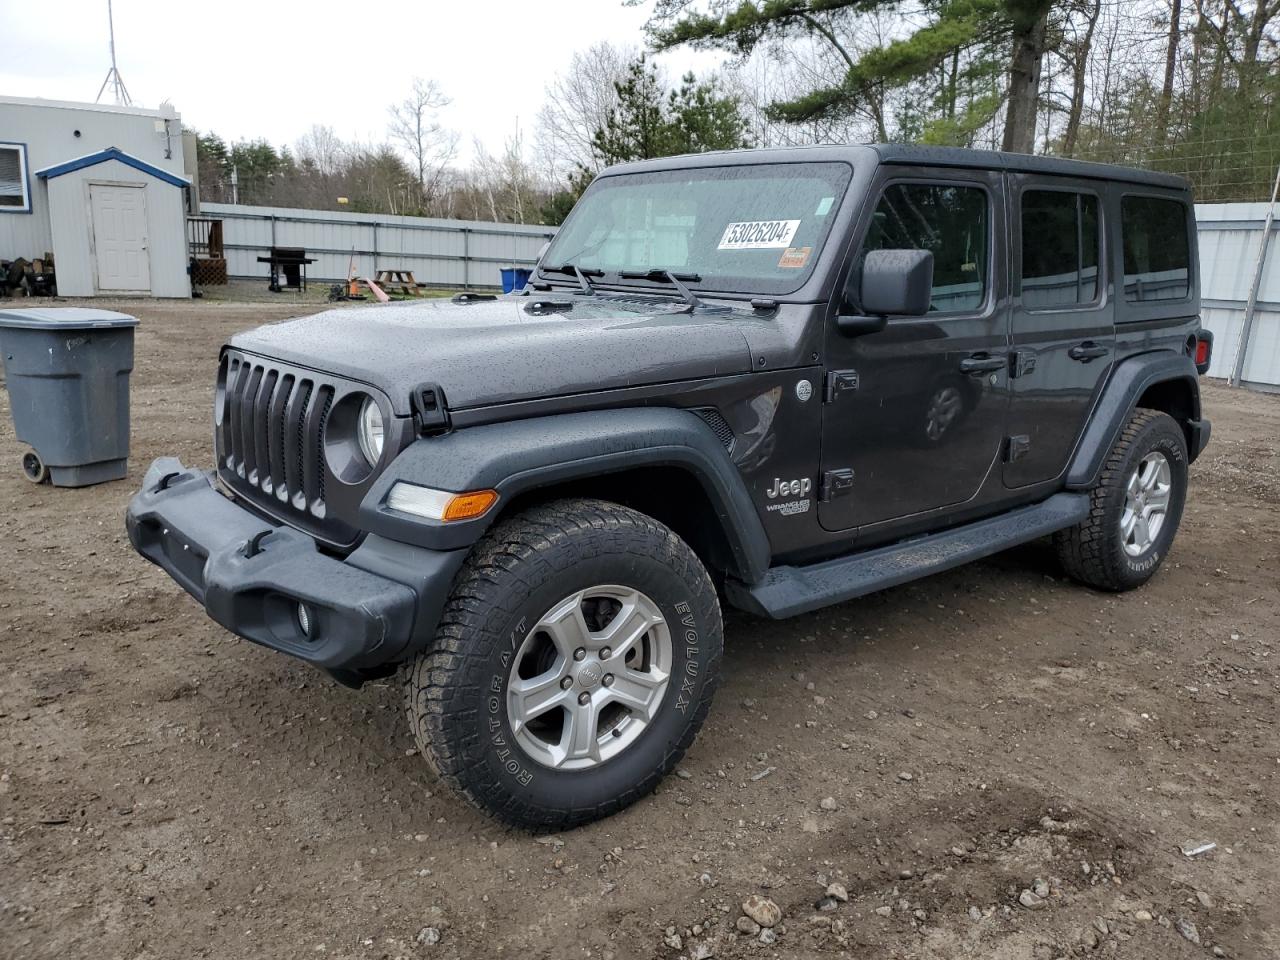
x=292 y=263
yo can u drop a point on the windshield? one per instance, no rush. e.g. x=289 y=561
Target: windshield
x=746 y=229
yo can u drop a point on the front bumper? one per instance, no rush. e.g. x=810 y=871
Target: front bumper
x=375 y=607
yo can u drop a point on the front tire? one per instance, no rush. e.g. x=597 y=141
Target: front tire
x=1135 y=507
x=574 y=663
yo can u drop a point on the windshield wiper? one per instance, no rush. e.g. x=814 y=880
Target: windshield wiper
x=671 y=278
x=573 y=270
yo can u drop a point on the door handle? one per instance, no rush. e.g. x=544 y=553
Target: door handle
x=1087 y=351
x=982 y=363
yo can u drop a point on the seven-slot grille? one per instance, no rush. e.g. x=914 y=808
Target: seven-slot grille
x=270 y=433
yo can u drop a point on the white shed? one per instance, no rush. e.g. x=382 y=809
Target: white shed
x=118 y=226
x=100 y=187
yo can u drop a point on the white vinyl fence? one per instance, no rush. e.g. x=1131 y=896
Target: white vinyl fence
x=443 y=253
x=1230 y=235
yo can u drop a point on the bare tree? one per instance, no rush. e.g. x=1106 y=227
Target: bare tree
x=321 y=149
x=578 y=103
x=1078 y=55
x=1170 y=65
x=415 y=127
x=506 y=187
x=775 y=70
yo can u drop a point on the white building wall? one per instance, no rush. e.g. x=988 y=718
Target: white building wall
x=72 y=226
x=1229 y=235
x=49 y=129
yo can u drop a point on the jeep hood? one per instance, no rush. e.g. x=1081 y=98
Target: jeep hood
x=497 y=351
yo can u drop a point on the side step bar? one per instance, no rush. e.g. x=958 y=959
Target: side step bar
x=788 y=591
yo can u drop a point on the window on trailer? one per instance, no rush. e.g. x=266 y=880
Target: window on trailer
x=15 y=195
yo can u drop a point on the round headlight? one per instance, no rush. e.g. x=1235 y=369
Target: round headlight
x=369 y=431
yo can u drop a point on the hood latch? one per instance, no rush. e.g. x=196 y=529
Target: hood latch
x=429 y=409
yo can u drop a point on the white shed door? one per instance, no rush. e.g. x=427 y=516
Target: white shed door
x=120 y=236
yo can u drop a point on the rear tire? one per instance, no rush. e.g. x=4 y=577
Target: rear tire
x=573 y=665
x=1135 y=507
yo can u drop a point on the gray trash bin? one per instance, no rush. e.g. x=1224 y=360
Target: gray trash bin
x=67 y=373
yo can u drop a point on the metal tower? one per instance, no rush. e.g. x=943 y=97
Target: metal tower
x=114 y=80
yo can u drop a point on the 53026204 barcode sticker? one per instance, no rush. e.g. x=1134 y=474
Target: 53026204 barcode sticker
x=758 y=235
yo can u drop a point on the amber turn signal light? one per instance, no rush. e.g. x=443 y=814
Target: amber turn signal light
x=442 y=505
x=468 y=506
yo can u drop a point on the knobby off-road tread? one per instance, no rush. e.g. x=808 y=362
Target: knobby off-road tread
x=1088 y=551
x=435 y=688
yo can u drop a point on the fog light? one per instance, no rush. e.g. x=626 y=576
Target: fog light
x=304 y=620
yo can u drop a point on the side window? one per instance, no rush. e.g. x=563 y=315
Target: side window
x=14 y=197
x=1059 y=248
x=1157 y=252
x=948 y=220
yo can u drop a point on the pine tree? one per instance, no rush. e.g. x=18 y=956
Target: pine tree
x=955 y=31
x=645 y=124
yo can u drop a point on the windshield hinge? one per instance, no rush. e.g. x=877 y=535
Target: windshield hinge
x=429 y=409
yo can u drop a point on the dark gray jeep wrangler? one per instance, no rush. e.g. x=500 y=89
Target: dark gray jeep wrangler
x=777 y=378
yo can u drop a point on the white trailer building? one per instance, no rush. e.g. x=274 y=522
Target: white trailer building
x=100 y=187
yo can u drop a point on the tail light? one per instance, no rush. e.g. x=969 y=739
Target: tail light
x=1203 y=351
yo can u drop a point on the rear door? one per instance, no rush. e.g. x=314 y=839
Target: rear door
x=1062 y=320
x=914 y=414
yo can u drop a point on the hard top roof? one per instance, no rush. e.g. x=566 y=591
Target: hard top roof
x=897 y=153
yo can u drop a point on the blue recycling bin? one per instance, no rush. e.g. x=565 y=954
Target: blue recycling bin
x=514 y=278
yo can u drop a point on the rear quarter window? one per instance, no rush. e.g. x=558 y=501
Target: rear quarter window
x=1157 y=249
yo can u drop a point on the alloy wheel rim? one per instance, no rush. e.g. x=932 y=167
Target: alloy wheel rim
x=589 y=678
x=1146 y=503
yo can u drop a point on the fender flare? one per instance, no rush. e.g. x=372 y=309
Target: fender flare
x=518 y=456
x=1128 y=381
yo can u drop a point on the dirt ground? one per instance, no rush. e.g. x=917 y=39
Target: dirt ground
x=167 y=790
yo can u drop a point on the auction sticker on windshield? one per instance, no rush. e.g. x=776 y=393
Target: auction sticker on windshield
x=759 y=235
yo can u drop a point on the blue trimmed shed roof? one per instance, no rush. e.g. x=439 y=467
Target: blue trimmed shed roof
x=112 y=153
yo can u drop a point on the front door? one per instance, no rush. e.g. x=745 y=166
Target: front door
x=120 y=236
x=1062 y=321
x=917 y=411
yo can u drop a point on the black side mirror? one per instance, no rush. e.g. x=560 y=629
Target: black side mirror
x=895 y=283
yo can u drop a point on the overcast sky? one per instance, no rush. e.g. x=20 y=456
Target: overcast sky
x=272 y=69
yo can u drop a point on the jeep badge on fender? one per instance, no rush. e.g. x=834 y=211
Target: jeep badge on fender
x=541 y=550
x=789 y=488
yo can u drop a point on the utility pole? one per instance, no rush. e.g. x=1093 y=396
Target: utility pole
x=114 y=80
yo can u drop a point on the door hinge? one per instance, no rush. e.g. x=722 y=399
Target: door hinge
x=1016 y=447
x=1023 y=362
x=838 y=382
x=835 y=483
